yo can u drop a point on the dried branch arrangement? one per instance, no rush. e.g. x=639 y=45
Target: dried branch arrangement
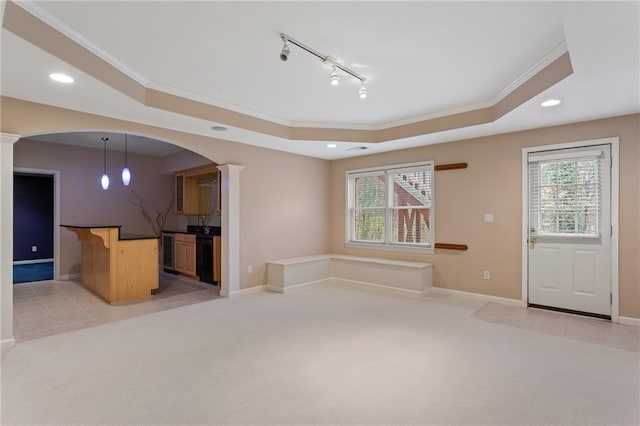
x=157 y=218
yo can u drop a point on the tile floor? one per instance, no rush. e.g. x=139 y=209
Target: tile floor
x=586 y=329
x=46 y=308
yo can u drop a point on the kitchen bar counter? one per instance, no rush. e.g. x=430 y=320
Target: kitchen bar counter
x=117 y=266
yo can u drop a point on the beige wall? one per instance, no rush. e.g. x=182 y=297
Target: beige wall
x=284 y=197
x=492 y=184
x=294 y=206
x=82 y=199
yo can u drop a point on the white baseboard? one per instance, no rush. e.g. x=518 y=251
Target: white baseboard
x=243 y=291
x=629 y=321
x=296 y=287
x=69 y=277
x=477 y=296
x=31 y=262
x=379 y=287
x=7 y=343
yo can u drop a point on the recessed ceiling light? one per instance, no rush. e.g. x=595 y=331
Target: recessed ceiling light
x=550 y=102
x=219 y=128
x=61 y=78
x=331 y=145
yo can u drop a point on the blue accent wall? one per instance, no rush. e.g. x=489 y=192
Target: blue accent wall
x=32 y=216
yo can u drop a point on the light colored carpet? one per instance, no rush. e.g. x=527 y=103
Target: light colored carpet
x=329 y=355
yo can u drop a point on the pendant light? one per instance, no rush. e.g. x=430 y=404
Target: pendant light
x=105 y=178
x=126 y=173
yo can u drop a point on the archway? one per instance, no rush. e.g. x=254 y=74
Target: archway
x=230 y=228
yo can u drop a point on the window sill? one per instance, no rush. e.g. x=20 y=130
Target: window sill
x=388 y=247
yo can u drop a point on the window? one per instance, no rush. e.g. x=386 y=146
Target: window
x=565 y=195
x=391 y=207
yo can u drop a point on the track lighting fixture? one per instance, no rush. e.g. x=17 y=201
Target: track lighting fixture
x=334 y=78
x=363 y=91
x=104 y=181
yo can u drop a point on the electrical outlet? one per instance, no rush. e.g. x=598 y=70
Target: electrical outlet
x=250 y=269
x=34 y=248
x=486 y=275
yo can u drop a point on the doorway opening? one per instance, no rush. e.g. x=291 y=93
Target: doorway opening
x=35 y=225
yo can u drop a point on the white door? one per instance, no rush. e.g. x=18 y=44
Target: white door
x=570 y=229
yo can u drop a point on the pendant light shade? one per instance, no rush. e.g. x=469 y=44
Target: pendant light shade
x=126 y=173
x=105 y=178
x=126 y=176
x=105 y=181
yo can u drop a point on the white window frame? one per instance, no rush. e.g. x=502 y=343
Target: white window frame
x=387 y=244
x=537 y=159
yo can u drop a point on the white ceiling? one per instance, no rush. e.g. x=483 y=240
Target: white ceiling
x=420 y=59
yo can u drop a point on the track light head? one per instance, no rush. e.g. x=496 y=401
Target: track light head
x=334 y=78
x=363 y=91
x=284 y=53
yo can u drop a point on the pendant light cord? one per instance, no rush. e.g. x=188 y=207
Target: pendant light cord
x=125 y=150
x=105 y=154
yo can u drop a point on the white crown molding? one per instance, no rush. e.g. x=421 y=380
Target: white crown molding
x=546 y=60
x=154 y=85
x=41 y=13
x=51 y=20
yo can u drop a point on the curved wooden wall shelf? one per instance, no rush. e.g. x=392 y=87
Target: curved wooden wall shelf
x=449 y=246
x=453 y=166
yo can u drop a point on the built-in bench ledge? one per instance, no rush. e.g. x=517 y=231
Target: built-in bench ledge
x=409 y=278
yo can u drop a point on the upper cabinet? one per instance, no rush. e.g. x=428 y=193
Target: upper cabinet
x=179 y=193
x=197 y=190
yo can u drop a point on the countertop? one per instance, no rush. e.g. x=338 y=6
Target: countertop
x=214 y=231
x=122 y=236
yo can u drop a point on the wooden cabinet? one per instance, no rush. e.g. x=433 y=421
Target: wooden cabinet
x=185 y=253
x=196 y=191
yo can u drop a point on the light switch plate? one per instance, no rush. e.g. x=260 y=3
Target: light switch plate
x=488 y=218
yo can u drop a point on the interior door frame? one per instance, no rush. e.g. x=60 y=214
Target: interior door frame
x=615 y=202
x=56 y=211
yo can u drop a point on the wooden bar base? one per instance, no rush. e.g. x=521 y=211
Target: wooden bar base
x=117 y=269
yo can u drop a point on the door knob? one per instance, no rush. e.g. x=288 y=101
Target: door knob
x=533 y=241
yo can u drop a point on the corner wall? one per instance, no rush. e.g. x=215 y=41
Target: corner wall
x=492 y=184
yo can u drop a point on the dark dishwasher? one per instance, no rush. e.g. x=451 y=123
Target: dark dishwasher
x=204 y=258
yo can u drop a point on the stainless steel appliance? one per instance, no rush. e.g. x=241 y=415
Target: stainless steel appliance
x=167 y=252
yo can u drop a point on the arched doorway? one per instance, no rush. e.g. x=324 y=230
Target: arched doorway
x=230 y=226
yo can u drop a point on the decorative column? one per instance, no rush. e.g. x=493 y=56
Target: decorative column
x=6 y=241
x=230 y=199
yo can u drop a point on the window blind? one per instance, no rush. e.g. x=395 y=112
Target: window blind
x=391 y=206
x=565 y=194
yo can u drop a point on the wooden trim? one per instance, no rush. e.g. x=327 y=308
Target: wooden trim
x=449 y=246
x=453 y=166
